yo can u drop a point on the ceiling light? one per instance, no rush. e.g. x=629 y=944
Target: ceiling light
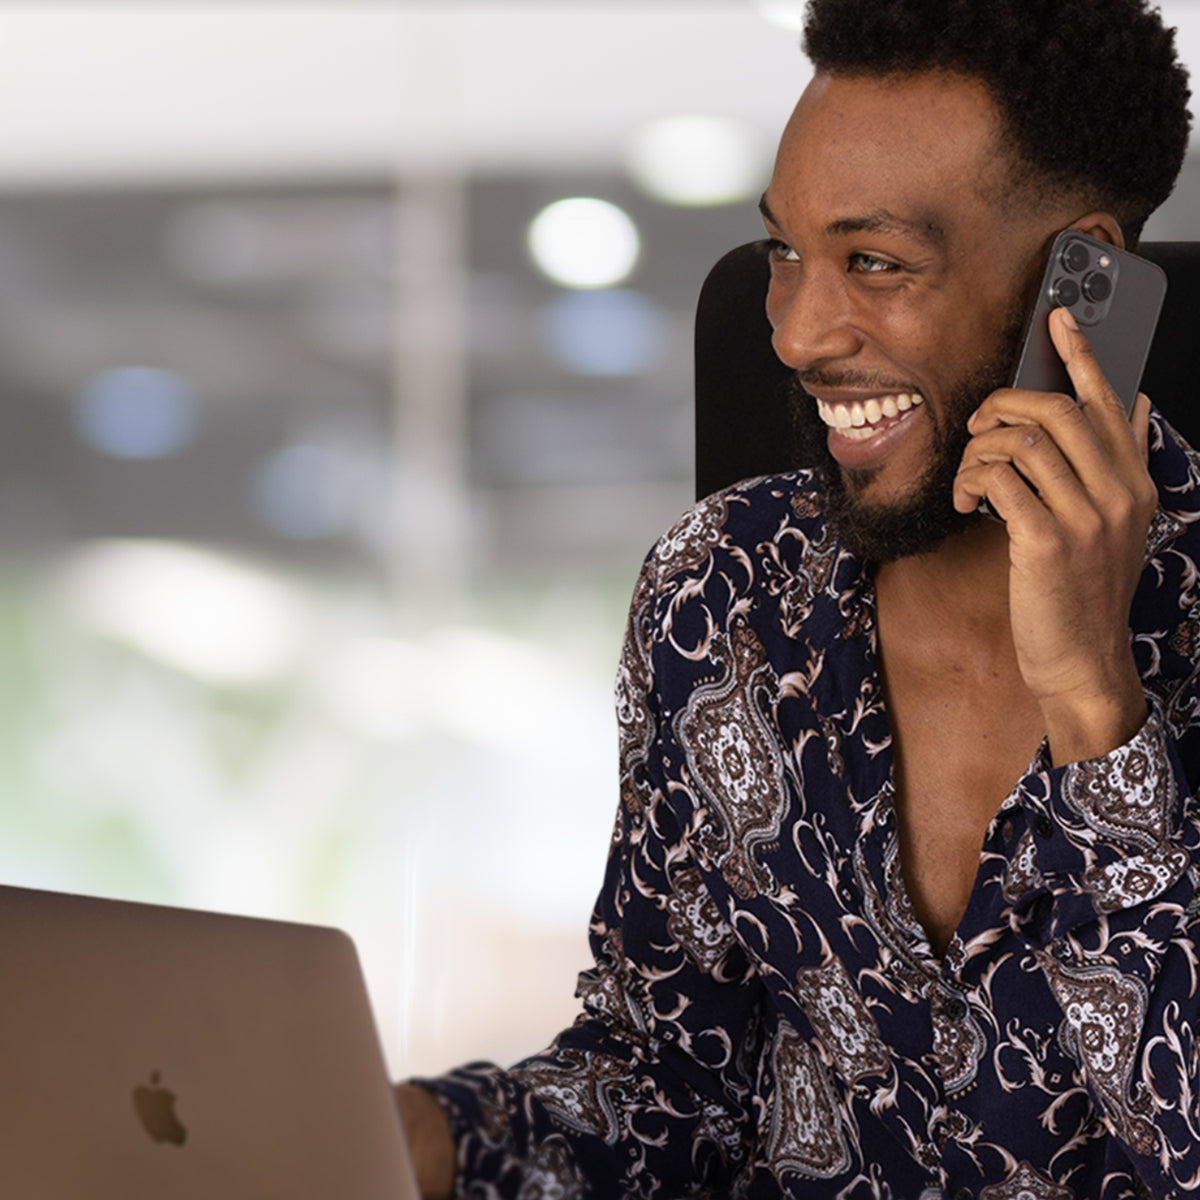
x=786 y=14
x=698 y=160
x=584 y=243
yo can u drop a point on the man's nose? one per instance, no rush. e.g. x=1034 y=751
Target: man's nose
x=811 y=318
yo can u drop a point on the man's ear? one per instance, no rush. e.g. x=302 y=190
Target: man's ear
x=1103 y=226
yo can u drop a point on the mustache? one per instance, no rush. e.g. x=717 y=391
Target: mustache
x=863 y=380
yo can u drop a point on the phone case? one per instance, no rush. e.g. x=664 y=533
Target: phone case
x=1114 y=295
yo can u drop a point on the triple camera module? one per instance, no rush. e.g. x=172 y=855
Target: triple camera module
x=1083 y=281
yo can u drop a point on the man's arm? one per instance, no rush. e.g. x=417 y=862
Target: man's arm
x=429 y=1141
x=1115 y=827
x=650 y=1092
x=1116 y=842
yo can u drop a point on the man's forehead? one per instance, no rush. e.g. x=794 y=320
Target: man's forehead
x=945 y=102
x=878 y=150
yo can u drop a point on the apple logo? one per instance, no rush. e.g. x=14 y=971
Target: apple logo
x=156 y=1107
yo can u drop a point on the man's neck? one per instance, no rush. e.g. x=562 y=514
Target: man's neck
x=961 y=586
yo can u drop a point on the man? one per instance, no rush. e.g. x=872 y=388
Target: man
x=902 y=898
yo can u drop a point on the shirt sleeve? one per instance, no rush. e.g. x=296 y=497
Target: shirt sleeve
x=649 y=1093
x=1112 y=920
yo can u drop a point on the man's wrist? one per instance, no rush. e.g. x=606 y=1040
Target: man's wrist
x=1091 y=725
x=430 y=1142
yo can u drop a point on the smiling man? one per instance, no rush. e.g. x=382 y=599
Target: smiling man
x=904 y=894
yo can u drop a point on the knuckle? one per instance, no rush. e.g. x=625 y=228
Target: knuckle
x=1121 y=511
x=1063 y=407
x=1083 y=347
x=1090 y=525
x=1054 y=545
x=1123 y=503
x=1135 y=502
x=1146 y=495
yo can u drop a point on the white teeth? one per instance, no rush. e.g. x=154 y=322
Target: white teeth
x=858 y=419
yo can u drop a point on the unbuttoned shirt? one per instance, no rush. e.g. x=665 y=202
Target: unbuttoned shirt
x=765 y=1015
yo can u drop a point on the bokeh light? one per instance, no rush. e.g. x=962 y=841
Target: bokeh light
x=305 y=491
x=608 y=332
x=697 y=160
x=583 y=242
x=786 y=14
x=136 y=412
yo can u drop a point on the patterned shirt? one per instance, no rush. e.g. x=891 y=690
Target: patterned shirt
x=765 y=1016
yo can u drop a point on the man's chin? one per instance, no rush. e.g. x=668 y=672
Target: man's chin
x=882 y=531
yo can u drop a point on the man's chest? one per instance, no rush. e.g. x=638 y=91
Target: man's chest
x=959 y=746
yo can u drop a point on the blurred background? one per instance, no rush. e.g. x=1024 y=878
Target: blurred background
x=346 y=378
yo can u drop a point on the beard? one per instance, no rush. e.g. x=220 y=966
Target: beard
x=882 y=531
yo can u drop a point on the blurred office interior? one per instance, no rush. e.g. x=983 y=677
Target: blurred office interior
x=346 y=371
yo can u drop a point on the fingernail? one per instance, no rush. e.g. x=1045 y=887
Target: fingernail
x=1069 y=319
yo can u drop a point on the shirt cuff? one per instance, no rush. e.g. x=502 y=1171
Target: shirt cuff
x=473 y=1098
x=1108 y=833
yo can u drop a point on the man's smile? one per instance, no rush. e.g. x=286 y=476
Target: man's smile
x=860 y=420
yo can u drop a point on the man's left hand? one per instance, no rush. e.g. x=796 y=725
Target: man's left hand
x=1070 y=482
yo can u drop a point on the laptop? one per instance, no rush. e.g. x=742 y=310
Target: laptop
x=152 y=1053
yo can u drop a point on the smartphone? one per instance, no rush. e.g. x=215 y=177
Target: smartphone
x=1114 y=296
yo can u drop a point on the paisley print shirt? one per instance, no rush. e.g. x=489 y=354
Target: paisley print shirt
x=765 y=1015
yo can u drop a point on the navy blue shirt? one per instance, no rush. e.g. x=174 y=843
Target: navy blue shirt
x=765 y=1015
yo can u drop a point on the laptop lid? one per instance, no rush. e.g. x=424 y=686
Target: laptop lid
x=151 y=1053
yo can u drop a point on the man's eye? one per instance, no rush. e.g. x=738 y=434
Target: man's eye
x=781 y=251
x=868 y=264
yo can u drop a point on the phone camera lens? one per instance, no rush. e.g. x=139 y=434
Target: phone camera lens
x=1065 y=292
x=1097 y=287
x=1075 y=256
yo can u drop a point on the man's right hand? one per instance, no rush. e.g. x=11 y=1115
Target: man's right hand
x=429 y=1142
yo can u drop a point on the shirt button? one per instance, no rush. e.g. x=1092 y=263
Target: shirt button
x=1043 y=826
x=955 y=1008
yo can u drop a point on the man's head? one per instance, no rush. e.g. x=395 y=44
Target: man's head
x=917 y=186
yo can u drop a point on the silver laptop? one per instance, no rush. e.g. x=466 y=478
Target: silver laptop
x=152 y=1053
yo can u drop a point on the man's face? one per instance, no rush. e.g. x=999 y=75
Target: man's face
x=898 y=286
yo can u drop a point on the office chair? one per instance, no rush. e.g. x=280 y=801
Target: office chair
x=742 y=423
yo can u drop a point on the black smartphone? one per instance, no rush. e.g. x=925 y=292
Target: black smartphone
x=1114 y=295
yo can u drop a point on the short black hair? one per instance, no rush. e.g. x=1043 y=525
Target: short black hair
x=1091 y=93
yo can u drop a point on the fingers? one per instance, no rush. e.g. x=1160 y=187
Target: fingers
x=1066 y=450
x=1006 y=462
x=1052 y=445
x=1103 y=407
x=1139 y=423
x=1045 y=451
x=1087 y=378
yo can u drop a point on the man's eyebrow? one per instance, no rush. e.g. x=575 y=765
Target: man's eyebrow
x=927 y=231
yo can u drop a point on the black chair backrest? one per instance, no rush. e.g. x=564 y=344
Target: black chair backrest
x=742 y=423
